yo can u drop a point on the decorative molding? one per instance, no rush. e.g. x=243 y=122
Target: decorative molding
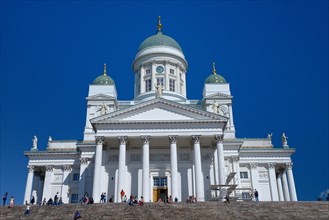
x=84 y=160
x=145 y=139
x=219 y=138
x=253 y=165
x=172 y=139
x=31 y=168
x=122 y=139
x=67 y=168
x=196 y=139
x=270 y=165
x=263 y=175
x=99 y=139
x=49 y=168
x=289 y=166
x=235 y=158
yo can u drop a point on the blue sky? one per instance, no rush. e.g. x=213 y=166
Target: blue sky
x=274 y=54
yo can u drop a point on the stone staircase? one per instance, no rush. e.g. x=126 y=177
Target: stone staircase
x=201 y=210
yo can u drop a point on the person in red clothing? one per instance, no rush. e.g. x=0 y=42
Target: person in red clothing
x=122 y=193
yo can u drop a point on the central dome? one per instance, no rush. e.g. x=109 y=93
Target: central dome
x=159 y=39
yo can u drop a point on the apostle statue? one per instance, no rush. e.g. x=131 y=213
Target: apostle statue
x=159 y=90
x=35 y=143
x=103 y=109
x=284 y=140
x=215 y=107
x=269 y=136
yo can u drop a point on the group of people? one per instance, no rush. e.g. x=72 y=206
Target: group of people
x=191 y=199
x=87 y=199
x=11 y=202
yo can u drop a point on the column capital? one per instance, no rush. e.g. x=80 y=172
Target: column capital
x=31 y=168
x=219 y=138
x=145 y=139
x=270 y=165
x=253 y=165
x=235 y=158
x=49 y=168
x=196 y=139
x=122 y=139
x=289 y=165
x=67 y=168
x=99 y=139
x=84 y=160
x=172 y=139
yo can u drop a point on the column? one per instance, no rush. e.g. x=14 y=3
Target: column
x=292 y=189
x=142 y=82
x=254 y=175
x=146 y=168
x=47 y=183
x=198 y=168
x=65 y=187
x=285 y=186
x=173 y=164
x=97 y=170
x=122 y=166
x=220 y=155
x=272 y=180
x=279 y=184
x=236 y=169
x=28 y=188
x=231 y=117
x=82 y=178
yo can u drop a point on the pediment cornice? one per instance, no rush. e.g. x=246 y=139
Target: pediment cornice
x=218 y=95
x=100 y=96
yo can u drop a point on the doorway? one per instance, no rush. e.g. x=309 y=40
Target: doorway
x=160 y=189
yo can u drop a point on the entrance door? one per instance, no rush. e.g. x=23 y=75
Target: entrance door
x=159 y=188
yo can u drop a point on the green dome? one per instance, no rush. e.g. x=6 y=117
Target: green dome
x=103 y=80
x=215 y=78
x=159 y=39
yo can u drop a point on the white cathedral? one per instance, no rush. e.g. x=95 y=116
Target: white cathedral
x=160 y=143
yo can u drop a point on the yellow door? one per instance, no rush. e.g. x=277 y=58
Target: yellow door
x=155 y=195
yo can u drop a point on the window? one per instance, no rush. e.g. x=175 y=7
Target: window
x=160 y=81
x=243 y=175
x=245 y=195
x=76 y=176
x=74 y=198
x=160 y=181
x=172 y=85
x=147 y=85
x=172 y=71
x=148 y=71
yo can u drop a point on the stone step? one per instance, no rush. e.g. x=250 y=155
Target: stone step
x=200 y=210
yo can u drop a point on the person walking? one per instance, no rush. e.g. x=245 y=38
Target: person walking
x=4 y=198
x=256 y=195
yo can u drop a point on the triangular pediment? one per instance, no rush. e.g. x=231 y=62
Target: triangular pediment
x=218 y=95
x=100 y=96
x=158 y=110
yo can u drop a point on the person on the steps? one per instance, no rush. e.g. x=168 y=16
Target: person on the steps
x=77 y=215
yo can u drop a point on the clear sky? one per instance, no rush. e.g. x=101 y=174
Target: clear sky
x=274 y=54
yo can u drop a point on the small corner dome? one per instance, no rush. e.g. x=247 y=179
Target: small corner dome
x=159 y=39
x=215 y=79
x=103 y=79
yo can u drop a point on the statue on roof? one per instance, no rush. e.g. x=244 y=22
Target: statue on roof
x=35 y=143
x=103 y=109
x=158 y=90
x=284 y=140
x=215 y=107
x=269 y=136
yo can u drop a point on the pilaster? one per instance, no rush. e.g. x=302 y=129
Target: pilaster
x=65 y=188
x=28 y=188
x=272 y=181
x=198 y=168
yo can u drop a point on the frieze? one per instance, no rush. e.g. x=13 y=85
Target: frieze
x=122 y=139
x=263 y=175
x=145 y=139
x=159 y=157
x=172 y=139
x=135 y=157
x=185 y=157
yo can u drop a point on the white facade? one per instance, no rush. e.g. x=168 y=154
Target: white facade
x=160 y=143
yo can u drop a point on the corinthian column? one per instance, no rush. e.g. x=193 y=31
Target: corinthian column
x=146 y=168
x=97 y=168
x=198 y=168
x=66 y=171
x=82 y=179
x=285 y=187
x=122 y=165
x=254 y=175
x=220 y=155
x=47 y=182
x=174 y=169
x=272 y=179
x=292 y=189
x=28 y=188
